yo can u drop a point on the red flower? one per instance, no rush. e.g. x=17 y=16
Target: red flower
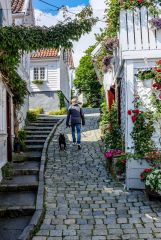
x=142 y=178
x=137 y=111
x=158 y=70
x=140 y=1
x=159 y=62
x=134 y=118
x=123 y=161
x=129 y=112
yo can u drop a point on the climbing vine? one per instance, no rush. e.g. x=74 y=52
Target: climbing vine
x=15 y=40
x=61 y=99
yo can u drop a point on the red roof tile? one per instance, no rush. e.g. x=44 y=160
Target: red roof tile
x=45 y=53
x=17 y=5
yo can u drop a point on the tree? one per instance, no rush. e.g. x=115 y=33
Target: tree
x=86 y=80
x=18 y=39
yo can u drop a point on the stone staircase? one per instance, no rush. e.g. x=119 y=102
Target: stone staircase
x=18 y=195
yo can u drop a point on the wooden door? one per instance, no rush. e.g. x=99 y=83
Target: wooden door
x=9 y=131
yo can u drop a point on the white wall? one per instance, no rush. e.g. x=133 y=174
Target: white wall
x=7 y=20
x=65 y=86
x=7 y=16
x=3 y=127
x=52 y=82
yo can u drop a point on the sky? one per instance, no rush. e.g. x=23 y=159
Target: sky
x=48 y=16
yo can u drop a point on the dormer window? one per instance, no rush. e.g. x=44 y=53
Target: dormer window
x=39 y=73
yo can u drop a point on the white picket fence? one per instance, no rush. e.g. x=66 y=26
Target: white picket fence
x=136 y=33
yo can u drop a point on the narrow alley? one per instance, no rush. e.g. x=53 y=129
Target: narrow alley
x=84 y=203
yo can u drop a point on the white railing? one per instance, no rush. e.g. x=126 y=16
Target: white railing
x=136 y=33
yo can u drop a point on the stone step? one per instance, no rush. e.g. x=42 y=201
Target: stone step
x=17 y=203
x=11 y=228
x=46 y=121
x=34 y=148
x=37 y=137
x=39 y=124
x=37 y=132
x=34 y=142
x=27 y=156
x=35 y=128
x=26 y=168
x=20 y=183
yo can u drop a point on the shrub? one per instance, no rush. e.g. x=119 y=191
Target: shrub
x=38 y=110
x=7 y=171
x=153 y=180
x=62 y=111
x=32 y=114
x=21 y=138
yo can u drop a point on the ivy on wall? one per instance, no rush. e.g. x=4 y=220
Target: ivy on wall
x=15 y=40
x=61 y=99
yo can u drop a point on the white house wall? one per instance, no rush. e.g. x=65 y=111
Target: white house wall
x=64 y=79
x=3 y=127
x=7 y=17
x=52 y=82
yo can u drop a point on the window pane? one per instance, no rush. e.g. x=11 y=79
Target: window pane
x=42 y=73
x=36 y=74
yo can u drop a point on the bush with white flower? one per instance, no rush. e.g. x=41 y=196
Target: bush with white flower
x=153 y=181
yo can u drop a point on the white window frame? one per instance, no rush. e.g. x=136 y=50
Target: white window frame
x=39 y=76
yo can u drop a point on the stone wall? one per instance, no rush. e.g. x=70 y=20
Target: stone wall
x=49 y=101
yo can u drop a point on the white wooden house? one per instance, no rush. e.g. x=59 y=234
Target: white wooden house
x=54 y=69
x=6 y=106
x=139 y=48
x=23 y=14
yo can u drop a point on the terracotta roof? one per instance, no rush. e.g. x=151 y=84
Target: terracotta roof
x=17 y=5
x=45 y=53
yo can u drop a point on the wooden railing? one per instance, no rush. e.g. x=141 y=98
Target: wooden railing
x=135 y=31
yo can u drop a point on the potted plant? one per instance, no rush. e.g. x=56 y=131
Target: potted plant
x=146 y=76
x=153 y=184
x=111 y=156
x=38 y=82
x=120 y=167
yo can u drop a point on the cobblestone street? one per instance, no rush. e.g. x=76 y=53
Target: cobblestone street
x=84 y=203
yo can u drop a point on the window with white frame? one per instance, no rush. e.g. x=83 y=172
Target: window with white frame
x=39 y=73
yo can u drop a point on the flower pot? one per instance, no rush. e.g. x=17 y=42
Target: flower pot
x=152 y=195
x=109 y=164
x=148 y=83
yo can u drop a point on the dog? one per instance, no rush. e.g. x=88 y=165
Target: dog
x=62 y=141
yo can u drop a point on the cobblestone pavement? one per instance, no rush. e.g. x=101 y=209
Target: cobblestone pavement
x=84 y=203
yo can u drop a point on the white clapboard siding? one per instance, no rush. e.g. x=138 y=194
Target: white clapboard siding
x=135 y=31
x=123 y=31
x=144 y=24
x=52 y=82
x=2 y=108
x=130 y=28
